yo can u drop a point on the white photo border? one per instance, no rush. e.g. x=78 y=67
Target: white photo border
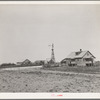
x=49 y=95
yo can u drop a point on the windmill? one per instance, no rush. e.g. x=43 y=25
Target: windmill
x=52 y=60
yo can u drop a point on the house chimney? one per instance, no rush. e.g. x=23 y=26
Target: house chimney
x=80 y=50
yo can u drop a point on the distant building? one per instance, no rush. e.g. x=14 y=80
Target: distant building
x=79 y=58
x=18 y=63
x=39 y=62
x=25 y=62
x=47 y=60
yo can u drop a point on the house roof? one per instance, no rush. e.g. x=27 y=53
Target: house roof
x=79 y=54
x=27 y=60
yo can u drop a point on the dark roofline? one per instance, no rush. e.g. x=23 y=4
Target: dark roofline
x=75 y=58
x=79 y=57
x=26 y=60
x=65 y=59
x=90 y=53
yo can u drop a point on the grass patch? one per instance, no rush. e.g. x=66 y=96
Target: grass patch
x=90 y=70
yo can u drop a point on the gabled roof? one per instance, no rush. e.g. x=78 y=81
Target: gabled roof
x=79 y=54
x=26 y=61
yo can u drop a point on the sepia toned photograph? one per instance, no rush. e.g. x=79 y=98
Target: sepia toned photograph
x=49 y=48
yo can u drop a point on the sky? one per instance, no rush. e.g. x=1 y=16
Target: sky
x=27 y=30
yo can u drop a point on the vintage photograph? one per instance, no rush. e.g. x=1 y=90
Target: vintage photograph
x=49 y=48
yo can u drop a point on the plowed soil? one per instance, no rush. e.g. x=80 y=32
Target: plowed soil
x=40 y=80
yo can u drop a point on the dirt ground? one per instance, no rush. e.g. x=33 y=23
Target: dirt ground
x=39 y=80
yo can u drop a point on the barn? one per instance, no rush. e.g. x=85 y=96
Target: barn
x=25 y=63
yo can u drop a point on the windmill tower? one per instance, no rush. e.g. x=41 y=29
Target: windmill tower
x=52 y=54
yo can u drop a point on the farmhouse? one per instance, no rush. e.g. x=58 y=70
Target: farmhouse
x=79 y=58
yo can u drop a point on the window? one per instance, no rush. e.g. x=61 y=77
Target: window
x=87 y=59
x=84 y=59
x=72 y=59
x=77 y=53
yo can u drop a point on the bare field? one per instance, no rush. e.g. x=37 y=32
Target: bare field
x=40 y=80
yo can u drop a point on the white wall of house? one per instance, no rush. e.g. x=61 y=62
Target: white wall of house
x=87 y=55
x=80 y=62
